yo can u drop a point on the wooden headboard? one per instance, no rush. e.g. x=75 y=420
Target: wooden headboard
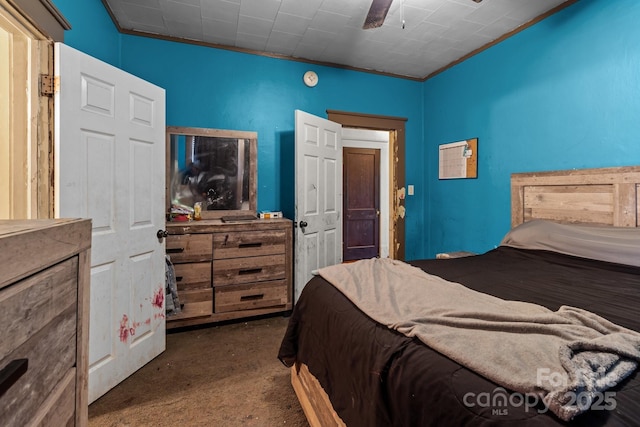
x=604 y=196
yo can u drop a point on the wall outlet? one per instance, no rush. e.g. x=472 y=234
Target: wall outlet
x=410 y=190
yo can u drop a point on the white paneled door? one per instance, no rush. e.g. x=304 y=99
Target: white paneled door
x=110 y=167
x=318 y=201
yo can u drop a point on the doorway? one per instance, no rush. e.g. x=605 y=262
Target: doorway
x=395 y=128
x=373 y=140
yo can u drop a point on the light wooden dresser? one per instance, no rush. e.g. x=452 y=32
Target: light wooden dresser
x=44 y=313
x=229 y=271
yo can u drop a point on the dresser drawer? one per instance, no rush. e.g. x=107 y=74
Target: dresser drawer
x=60 y=407
x=251 y=269
x=195 y=303
x=250 y=296
x=39 y=318
x=248 y=243
x=189 y=247
x=193 y=275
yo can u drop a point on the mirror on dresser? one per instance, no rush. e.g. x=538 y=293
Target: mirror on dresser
x=214 y=168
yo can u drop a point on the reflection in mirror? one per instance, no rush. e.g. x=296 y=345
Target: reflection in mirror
x=215 y=168
x=214 y=171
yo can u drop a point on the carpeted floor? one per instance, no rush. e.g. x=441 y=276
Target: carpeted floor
x=226 y=375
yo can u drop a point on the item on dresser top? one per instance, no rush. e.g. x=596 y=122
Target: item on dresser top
x=239 y=218
x=270 y=215
x=179 y=212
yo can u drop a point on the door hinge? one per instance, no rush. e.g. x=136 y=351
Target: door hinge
x=47 y=85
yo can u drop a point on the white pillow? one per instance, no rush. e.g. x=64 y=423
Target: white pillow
x=605 y=243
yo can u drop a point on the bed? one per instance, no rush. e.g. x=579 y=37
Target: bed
x=349 y=369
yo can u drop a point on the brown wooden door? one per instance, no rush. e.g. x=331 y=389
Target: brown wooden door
x=361 y=225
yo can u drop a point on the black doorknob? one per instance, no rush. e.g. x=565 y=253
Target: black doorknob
x=162 y=234
x=303 y=224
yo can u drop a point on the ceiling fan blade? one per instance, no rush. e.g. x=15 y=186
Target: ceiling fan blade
x=377 y=13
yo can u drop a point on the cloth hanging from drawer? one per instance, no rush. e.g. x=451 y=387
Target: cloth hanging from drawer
x=172 y=302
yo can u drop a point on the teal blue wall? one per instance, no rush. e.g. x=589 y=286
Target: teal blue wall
x=92 y=30
x=230 y=90
x=223 y=89
x=562 y=94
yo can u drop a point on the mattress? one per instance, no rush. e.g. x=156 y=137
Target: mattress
x=378 y=377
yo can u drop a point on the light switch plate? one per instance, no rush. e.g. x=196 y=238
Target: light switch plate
x=410 y=190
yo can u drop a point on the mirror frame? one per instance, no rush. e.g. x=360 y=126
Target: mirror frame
x=217 y=133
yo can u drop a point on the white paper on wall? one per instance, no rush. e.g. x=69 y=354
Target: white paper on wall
x=453 y=160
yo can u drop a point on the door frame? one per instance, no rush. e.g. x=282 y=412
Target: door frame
x=350 y=139
x=27 y=145
x=396 y=128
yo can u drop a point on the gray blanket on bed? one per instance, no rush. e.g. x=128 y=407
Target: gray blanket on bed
x=567 y=358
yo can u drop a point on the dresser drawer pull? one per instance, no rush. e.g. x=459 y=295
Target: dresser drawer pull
x=12 y=373
x=178 y=278
x=250 y=245
x=175 y=250
x=251 y=297
x=250 y=271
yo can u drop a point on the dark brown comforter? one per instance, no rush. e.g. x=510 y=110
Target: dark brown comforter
x=377 y=377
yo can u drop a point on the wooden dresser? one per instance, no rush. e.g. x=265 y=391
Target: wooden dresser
x=44 y=313
x=229 y=271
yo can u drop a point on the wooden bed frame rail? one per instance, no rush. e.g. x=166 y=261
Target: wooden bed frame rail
x=313 y=399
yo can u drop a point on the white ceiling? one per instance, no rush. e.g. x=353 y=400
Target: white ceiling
x=436 y=32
